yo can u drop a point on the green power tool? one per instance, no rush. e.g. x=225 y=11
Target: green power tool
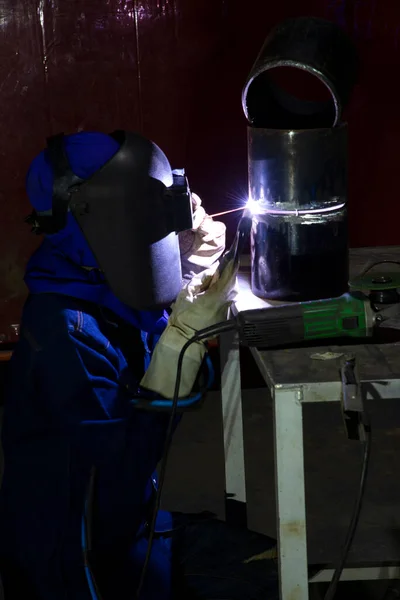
x=372 y=300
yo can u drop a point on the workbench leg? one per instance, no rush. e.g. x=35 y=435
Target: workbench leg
x=290 y=490
x=232 y=418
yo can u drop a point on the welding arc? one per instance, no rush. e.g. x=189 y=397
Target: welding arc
x=227 y=212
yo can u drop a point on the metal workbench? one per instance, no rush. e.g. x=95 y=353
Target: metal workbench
x=294 y=378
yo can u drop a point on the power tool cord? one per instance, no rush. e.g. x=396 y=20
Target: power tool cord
x=200 y=335
x=332 y=589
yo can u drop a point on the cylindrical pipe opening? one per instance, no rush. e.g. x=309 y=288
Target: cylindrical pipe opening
x=302 y=78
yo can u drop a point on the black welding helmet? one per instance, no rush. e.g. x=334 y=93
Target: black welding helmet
x=130 y=212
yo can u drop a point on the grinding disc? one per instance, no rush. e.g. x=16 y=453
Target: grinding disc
x=376 y=281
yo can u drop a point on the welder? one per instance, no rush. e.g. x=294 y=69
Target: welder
x=115 y=294
x=82 y=357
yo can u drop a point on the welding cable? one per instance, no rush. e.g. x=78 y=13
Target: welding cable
x=332 y=589
x=86 y=537
x=200 y=335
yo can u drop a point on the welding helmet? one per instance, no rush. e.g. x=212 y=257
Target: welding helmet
x=130 y=212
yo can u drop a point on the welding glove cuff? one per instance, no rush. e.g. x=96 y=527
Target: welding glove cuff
x=161 y=375
x=203 y=303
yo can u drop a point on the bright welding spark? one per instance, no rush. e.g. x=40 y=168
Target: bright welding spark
x=258 y=207
x=253 y=206
x=244 y=205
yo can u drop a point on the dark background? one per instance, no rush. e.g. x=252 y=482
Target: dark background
x=173 y=70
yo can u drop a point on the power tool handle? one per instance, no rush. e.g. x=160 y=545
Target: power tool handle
x=270 y=327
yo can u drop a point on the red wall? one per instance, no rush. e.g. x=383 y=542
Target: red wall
x=174 y=69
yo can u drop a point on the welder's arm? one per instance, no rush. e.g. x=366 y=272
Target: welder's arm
x=203 y=303
x=202 y=246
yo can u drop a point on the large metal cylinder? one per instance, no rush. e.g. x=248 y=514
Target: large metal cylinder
x=298 y=195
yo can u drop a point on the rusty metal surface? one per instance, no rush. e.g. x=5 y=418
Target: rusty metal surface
x=332 y=464
x=289 y=367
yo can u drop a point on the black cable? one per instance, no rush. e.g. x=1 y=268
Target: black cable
x=200 y=335
x=86 y=534
x=331 y=592
x=391 y=594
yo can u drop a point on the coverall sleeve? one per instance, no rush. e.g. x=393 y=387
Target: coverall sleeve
x=77 y=383
x=78 y=378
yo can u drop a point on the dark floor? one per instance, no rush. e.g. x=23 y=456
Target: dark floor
x=195 y=480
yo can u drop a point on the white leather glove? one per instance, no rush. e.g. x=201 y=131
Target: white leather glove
x=204 y=302
x=202 y=246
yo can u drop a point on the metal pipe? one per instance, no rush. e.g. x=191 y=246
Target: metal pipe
x=298 y=196
x=310 y=45
x=291 y=170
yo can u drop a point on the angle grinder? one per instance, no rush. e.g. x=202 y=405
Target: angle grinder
x=372 y=300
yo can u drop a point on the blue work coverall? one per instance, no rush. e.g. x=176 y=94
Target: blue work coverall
x=69 y=409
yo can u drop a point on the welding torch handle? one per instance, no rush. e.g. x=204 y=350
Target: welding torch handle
x=236 y=250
